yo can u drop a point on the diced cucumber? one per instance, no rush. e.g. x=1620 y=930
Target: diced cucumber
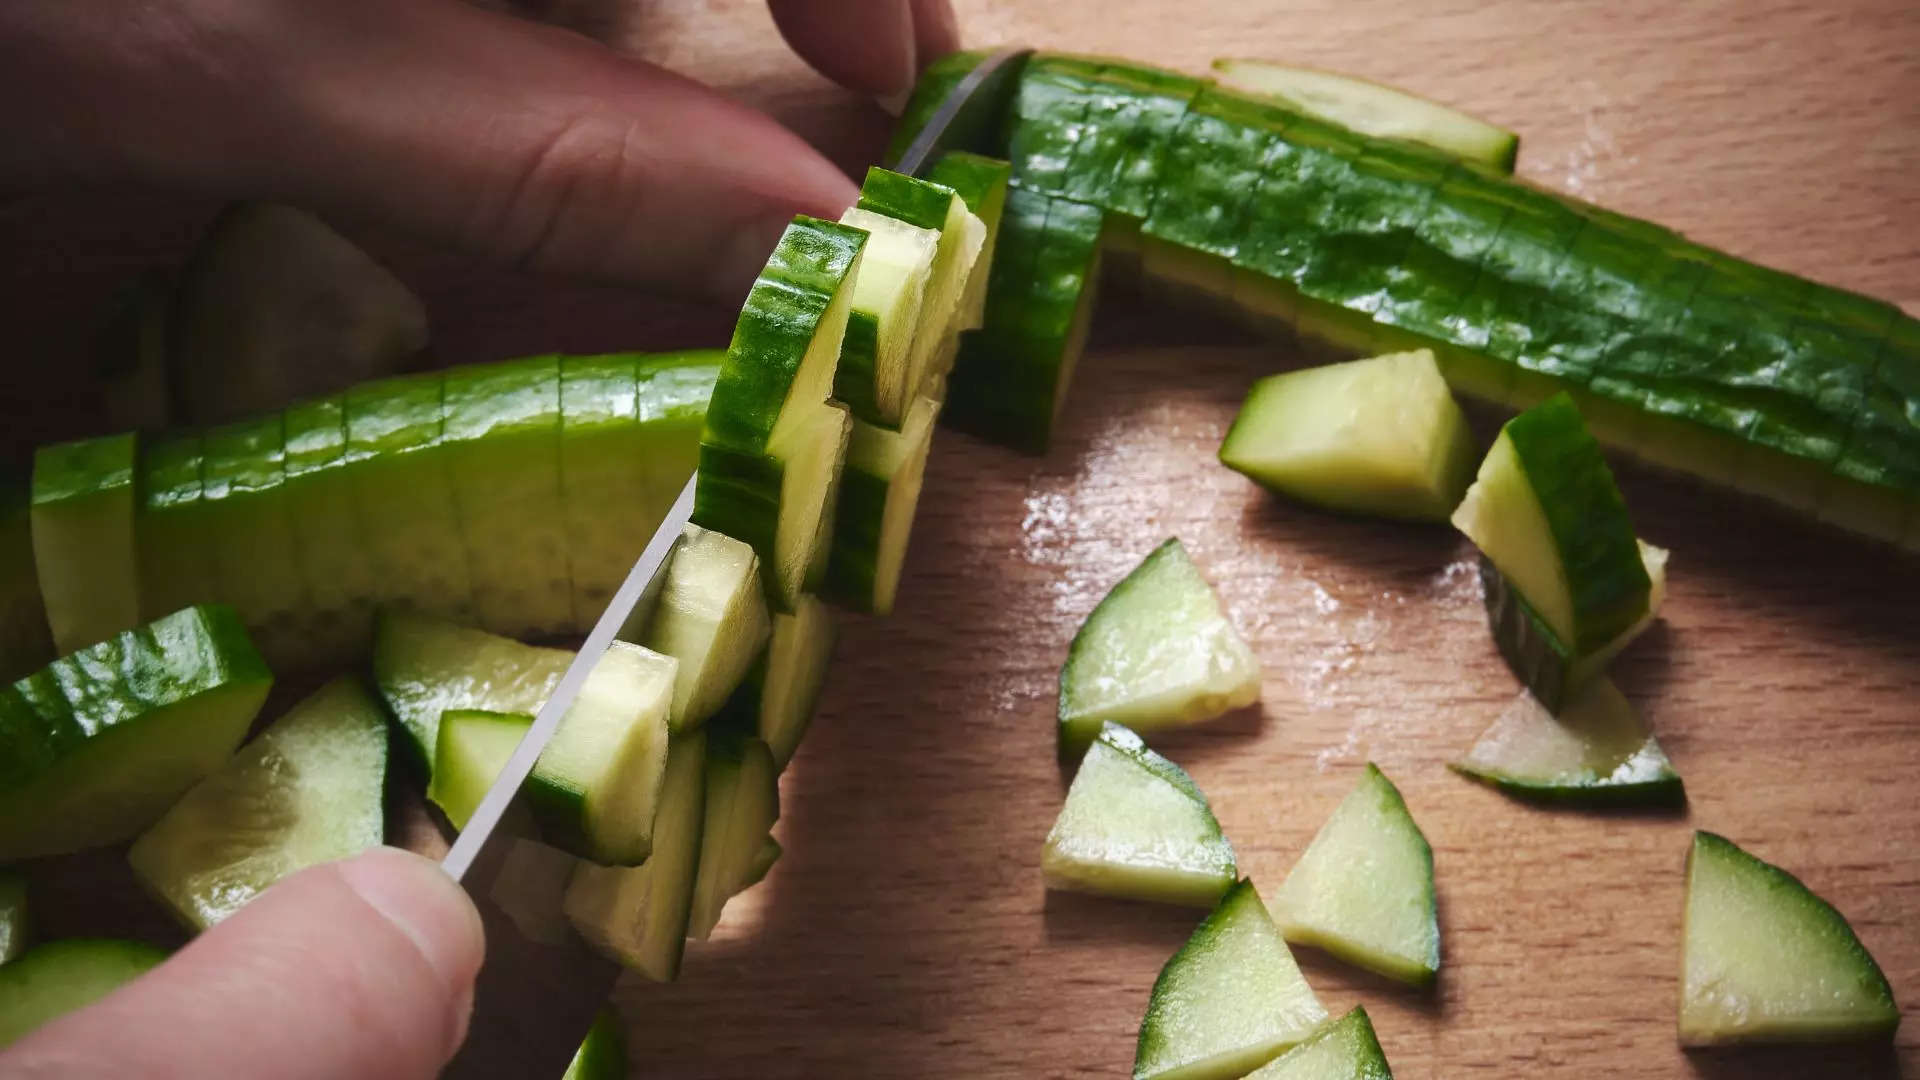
x=603 y=1054
x=1345 y=1049
x=981 y=182
x=1363 y=890
x=597 y=783
x=933 y=206
x=873 y=519
x=474 y=745
x=83 y=538
x=743 y=801
x=329 y=538
x=15 y=925
x=95 y=746
x=1765 y=960
x=1537 y=655
x=425 y=666
x=60 y=977
x=1229 y=1001
x=1135 y=825
x=404 y=495
x=1380 y=436
x=308 y=790
x=25 y=641
x=1595 y=752
x=871 y=377
x=778 y=696
x=131 y=354
x=1157 y=652
x=711 y=617
x=638 y=916
x=250 y=529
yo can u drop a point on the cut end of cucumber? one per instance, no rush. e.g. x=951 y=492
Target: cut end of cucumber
x=597 y=782
x=60 y=977
x=424 y=666
x=83 y=538
x=710 y=616
x=809 y=484
x=1345 y=1049
x=474 y=746
x=1595 y=752
x=888 y=296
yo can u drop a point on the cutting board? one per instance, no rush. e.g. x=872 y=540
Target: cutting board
x=906 y=932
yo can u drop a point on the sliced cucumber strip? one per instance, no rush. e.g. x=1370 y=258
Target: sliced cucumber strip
x=60 y=977
x=425 y=666
x=1345 y=1049
x=474 y=745
x=1136 y=826
x=871 y=377
x=981 y=182
x=307 y=791
x=15 y=927
x=1363 y=890
x=335 y=557
x=710 y=616
x=1765 y=960
x=638 y=916
x=1595 y=752
x=1537 y=655
x=95 y=746
x=83 y=538
x=250 y=529
x=603 y=1054
x=743 y=801
x=778 y=696
x=1229 y=1001
x=962 y=236
x=1380 y=436
x=1157 y=652
x=597 y=783
x=873 y=519
x=25 y=641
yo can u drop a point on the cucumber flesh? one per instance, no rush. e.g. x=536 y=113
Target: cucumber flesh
x=1595 y=752
x=887 y=297
x=596 y=785
x=743 y=801
x=1229 y=1001
x=962 y=235
x=873 y=517
x=1379 y=436
x=474 y=745
x=1136 y=826
x=1765 y=960
x=1345 y=1049
x=15 y=926
x=1552 y=672
x=1363 y=890
x=777 y=698
x=60 y=977
x=1157 y=652
x=981 y=183
x=83 y=538
x=308 y=790
x=603 y=1054
x=711 y=617
x=425 y=666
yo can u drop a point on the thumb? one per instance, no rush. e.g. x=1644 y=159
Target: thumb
x=361 y=968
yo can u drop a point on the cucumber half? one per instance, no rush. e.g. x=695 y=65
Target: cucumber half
x=425 y=666
x=1765 y=960
x=1157 y=652
x=710 y=615
x=60 y=977
x=962 y=236
x=1136 y=826
x=743 y=801
x=1345 y=1049
x=1363 y=890
x=1540 y=658
x=308 y=790
x=981 y=183
x=1595 y=752
x=473 y=747
x=83 y=538
x=888 y=294
x=873 y=518
x=15 y=925
x=596 y=784
x=1229 y=1001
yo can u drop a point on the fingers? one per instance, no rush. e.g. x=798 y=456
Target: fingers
x=363 y=968
x=875 y=46
x=936 y=31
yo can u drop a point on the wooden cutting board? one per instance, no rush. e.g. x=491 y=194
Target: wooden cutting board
x=906 y=933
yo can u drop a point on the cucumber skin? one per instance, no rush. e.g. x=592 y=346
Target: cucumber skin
x=1666 y=793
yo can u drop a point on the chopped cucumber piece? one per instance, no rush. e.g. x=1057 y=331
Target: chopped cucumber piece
x=603 y=1054
x=403 y=494
x=131 y=354
x=1345 y=1049
x=981 y=182
x=711 y=617
x=307 y=791
x=335 y=558
x=1136 y=826
x=15 y=927
x=887 y=297
x=60 y=977
x=473 y=747
x=1363 y=890
x=778 y=696
x=1229 y=1001
x=873 y=520
x=83 y=538
x=597 y=783
x=743 y=801
x=1595 y=752
x=1537 y=655
x=95 y=746
x=962 y=235
x=25 y=641
x=1765 y=960
x=425 y=666
x=1380 y=436
x=1156 y=653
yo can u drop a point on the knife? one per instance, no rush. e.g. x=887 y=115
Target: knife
x=541 y=984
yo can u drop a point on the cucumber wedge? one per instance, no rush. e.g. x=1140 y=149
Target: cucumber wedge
x=95 y=746
x=743 y=801
x=473 y=747
x=873 y=518
x=307 y=791
x=778 y=696
x=60 y=977
x=403 y=494
x=1765 y=960
x=336 y=559
x=1345 y=1049
x=1595 y=752
x=603 y=1054
x=424 y=666
x=871 y=377
x=981 y=183
x=711 y=617
x=1156 y=653
x=83 y=538
x=1136 y=826
x=1363 y=890
x=1380 y=436
x=1551 y=671
x=597 y=783
x=15 y=926
x=1229 y=1001
x=25 y=641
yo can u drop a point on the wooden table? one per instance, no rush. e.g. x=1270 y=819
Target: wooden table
x=906 y=932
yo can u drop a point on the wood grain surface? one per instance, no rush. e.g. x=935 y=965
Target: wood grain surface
x=906 y=933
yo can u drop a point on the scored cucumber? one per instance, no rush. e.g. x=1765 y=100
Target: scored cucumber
x=603 y=1053
x=1345 y=1049
x=871 y=377
x=1595 y=752
x=1229 y=1001
x=743 y=802
x=873 y=518
x=95 y=746
x=1363 y=890
x=1541 y=659
x=778 y=696
x=249 y=528
x=1157 y=652
x=403 y=494
x=1135 y=825
x=329 y=539
x=60 y=977
x=474 y=745
x=25 y=641
x=596 y=784
x=83 y=538
x=1765 y=960
x=308 y=790
x=425 y=666
x=981 y=183
x=15 y=925
x=711 y=617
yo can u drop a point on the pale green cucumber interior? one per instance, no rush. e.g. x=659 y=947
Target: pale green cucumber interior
x=891 y=288
x=1586 y=668
x=711 y=617
x=609 y=752
x=807 y=484
x=1502 y=516
x=742 y=803
x=900 y=458
x=961 y=238
x=797 y=655
x=794 y=431
x=58 y=977
x=1345 y=1049
x=424 y=666
x=1598 y=739
x=474 y=746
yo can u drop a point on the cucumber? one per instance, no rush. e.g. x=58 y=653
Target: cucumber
x=404 y=495
x=60 y=977
x=596 y=785
x=873 y=518
x=177 y=562
x=871 y=377
x=83 y=538
x=1363 y=890
x=743 y=801
x=939 y=208
x=249 y=528
x=1595 y=752
x=95 y=746
x=777 y=698
x=1765 y=960
x=1157 y=652
x=25 y=641
x=1345 y=1049
x=763 y=862
x=1541 y=659
x=981 y=183
x=131 y=354
x=330 y=539
x=603 y=1054
x=1373 y=109
x=711 y=617
x=1229 y=1001
x=1380 y=436
x=474 y=745
x=15 y=926
x=1136 y=826
x=425 y=666
x=638 y=916
x=308 y=790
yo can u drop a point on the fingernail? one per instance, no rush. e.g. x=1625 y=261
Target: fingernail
x=423 y=903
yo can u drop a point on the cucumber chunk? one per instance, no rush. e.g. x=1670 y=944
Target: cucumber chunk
x=308 y=790
x=1380 y=436
x=1136 y=826
x=83 y=538
x=778 y=696
x=1765 y=960
x=711 y=617
x=873 y=518
x=597 y=783
x=425 y=666
x=871 y=377
x=962 y=236
x=981 y=183
x=15 y=926
x=1229 y=1001
x=25 y=641
x=1363 y=890
x=60 y=977
x=474 y=745
x=1595 y=752
x=603 y=1054
x=250 y=529
x=1345 y=1049
x=1156 y=653
x=743 y=801
x=1537 y=655
x=95 y=746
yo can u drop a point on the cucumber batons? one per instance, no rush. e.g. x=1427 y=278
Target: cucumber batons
x=743 y=802
x=474 y=745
